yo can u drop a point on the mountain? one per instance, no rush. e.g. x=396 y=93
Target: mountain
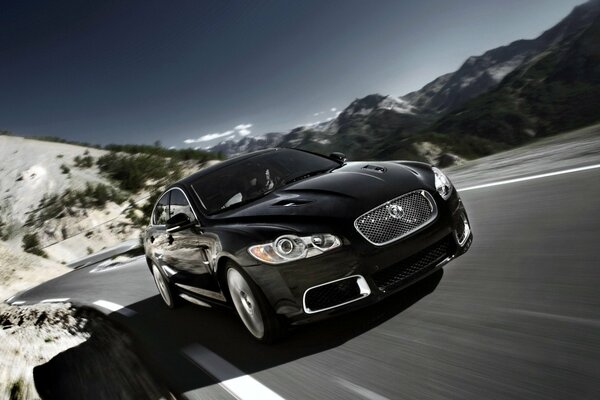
x=493 y=101
x=557 y=90
x=361 y=130
x=479 y=74
x=247 y=144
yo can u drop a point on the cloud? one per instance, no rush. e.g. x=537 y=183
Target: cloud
x=206 y=138
x=242 y=126
x=333 y=109
x=243 y=129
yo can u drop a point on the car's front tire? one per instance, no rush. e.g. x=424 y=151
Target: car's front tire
x=167 y=294
x=252 y=306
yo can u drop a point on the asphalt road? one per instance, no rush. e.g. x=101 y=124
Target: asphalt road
x=517 y=317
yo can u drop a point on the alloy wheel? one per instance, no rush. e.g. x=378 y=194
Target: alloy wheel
x=161 y=284
x=245 y=303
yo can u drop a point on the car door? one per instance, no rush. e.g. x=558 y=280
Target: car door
x=189 y=252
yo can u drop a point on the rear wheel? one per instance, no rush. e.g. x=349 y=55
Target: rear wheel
x=252 y=307
x=164 y=288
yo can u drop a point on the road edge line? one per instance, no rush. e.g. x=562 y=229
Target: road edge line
x=529 y=178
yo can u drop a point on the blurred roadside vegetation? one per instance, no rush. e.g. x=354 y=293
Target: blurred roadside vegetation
x=132 y=169
x=73 y=202
x=155 y=149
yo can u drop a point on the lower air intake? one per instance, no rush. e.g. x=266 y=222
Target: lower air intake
x=412 y=267
x=336 y=293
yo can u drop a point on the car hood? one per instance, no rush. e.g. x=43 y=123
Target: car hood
x=345 y=192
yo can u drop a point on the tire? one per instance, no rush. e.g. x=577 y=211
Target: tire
x=167 y=293
x=252 y=307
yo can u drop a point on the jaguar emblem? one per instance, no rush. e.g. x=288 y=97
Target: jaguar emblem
x=395 y=211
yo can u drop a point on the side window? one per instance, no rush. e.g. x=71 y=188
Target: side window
x=161 y=211
x=179 y=204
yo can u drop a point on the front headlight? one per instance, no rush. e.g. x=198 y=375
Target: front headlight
x=442 y=183
x=291 y=248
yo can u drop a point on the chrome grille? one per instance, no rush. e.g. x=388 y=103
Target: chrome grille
x=397 y=275
x=397 y=218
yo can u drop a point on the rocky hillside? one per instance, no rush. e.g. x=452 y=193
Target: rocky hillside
x=555 y=91
x=481 y=73
x=65 y=201
x=499 y=99
x=372 y=127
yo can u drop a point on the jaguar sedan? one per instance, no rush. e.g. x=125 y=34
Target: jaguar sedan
x=286 y=236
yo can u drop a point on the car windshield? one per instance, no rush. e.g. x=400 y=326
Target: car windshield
x=251 y=178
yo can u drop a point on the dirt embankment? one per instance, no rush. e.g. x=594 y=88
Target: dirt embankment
x=20 y=271
x=55 y=351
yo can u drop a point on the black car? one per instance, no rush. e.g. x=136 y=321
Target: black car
x=289 y=236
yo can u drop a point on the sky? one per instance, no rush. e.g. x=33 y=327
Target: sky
x=193 y=73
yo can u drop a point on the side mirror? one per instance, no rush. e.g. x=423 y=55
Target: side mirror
x=339 y=157
x=178 y=222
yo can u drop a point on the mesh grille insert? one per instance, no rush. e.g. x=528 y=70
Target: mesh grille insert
x=410 y=268
x=332 y=294
x=397 y=218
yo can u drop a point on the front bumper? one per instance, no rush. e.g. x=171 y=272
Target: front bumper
x=385 y=269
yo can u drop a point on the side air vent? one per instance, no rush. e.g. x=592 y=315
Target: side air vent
x=291 y=203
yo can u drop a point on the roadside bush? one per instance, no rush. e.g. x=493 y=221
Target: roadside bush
x=17 y=390
x=31 y=244
x=85 y=161
x=6 y=230
x=145 y=208
x=131 y=172
x=158 y=150
x=58 y=206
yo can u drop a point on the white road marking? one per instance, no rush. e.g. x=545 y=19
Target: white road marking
x=59 y=300
x=364 y=392
x=230 y=378
x=529 y=178
x=114 y=307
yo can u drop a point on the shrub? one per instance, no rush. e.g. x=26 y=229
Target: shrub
x=131 y=172
x=58 y=206
x=31 y=244
x=158 y=150
x=86 y=161
x=65 y=169
x=17 y=390
x=6 y=230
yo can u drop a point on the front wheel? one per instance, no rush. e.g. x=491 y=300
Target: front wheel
x=164 y=288
x=252 y=307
